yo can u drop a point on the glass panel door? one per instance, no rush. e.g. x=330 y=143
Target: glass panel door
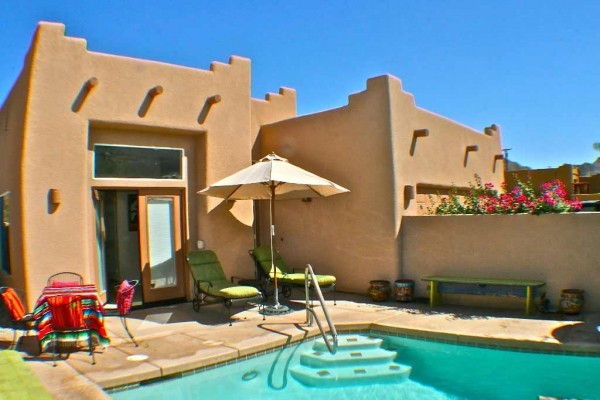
x=163 y=267
x=161 y=252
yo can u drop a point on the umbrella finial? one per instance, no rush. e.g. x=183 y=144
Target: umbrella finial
x=273 y=157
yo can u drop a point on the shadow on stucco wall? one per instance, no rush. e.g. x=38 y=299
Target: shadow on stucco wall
x=53 y=201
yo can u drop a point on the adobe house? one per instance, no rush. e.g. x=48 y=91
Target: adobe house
x=577 y=186
x=101 y=157
x=392 y=155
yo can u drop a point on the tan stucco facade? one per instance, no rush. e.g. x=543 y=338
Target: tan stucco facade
x=381 y=146
x=53 y=117
x=385 y=149
x=578 y=187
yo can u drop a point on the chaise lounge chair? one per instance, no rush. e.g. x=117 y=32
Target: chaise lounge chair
x=210 y=281
x=285 y=279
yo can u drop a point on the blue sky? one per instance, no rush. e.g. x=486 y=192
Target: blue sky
x=529 y=66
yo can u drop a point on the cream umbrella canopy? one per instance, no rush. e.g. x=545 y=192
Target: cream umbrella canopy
x=272 y=178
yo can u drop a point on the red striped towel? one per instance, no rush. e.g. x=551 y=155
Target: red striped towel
x=124 y=297
x=67 y=312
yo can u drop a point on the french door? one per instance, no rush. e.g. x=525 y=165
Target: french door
x=161 y=245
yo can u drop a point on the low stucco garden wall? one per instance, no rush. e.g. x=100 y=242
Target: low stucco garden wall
x=561 y=249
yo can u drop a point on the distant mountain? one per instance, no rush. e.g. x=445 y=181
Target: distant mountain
x=513 y=166
x=587 y=169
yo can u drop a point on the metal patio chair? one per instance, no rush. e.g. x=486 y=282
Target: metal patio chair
x=17 y=318
x=68 y=321
x=65 y=279
x=125 y=292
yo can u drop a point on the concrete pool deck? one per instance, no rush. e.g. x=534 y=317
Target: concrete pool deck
x=173 y=339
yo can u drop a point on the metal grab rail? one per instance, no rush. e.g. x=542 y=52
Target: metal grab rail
x=310 y=313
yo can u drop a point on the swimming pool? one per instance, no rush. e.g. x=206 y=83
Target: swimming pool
x=439 y=371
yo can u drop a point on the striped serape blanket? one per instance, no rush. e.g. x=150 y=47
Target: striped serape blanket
x=93 y=313
x=70 y=290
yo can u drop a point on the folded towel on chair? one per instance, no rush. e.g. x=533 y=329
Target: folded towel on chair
x=67 y=312
x=124 y=297
x=13 y=304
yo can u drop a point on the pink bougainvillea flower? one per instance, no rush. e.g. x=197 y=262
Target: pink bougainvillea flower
x=485 y=199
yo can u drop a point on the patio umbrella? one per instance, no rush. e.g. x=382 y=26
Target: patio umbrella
x=272 y=178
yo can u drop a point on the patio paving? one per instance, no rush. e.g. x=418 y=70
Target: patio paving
x=174 y=338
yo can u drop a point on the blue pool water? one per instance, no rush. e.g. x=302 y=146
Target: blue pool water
x=439 y=371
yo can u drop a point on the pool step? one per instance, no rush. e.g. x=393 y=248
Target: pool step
x=341 y=358
x=349 y=376
x=359 y=360
x=350 y=342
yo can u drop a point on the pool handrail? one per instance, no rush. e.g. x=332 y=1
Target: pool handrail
x=310 y=312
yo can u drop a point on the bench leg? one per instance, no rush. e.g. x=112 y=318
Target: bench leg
x=529 y=301
x=434 y=296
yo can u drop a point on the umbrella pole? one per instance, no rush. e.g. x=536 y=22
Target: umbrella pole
x=271 y=234
x=276 y=308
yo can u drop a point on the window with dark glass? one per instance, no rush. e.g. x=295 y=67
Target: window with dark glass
x=137 y=162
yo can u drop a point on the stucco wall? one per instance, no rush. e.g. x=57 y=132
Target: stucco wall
x=560 y=249
x=12 y=132
x=275 y=107
x=339 y=235
x=366 y=147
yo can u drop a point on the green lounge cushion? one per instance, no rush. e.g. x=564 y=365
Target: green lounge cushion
x=298 y=279
x=205 y=266
x=262 y=254
x=229 y=290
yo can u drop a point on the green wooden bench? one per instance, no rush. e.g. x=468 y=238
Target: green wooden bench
x=482 y=286
x=17 y=381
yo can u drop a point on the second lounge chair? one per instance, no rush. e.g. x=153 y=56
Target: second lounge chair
x=286 y=279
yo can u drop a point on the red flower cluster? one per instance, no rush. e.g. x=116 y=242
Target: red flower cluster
x=485 y=199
